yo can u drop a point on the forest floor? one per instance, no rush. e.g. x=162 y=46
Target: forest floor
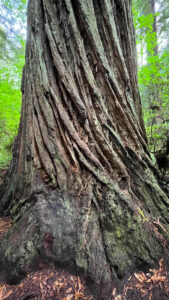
x=49 y=284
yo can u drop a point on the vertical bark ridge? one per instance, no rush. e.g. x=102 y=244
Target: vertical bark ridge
x=69 y=90
x=80 y=170
x=114 y=83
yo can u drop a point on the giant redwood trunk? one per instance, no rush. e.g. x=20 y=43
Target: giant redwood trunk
x=81 y=189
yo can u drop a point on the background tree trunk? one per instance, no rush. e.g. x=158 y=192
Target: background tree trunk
x=81 y=187
x=153 y=11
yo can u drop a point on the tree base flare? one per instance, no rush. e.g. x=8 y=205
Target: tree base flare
x=98 y=241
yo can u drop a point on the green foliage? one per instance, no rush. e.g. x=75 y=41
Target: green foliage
x=10 y=103
x=153 y=75
x=144 y=30
x=12 y=47
x=154 y=87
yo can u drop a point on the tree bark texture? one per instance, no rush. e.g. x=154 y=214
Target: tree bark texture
x=81 y=189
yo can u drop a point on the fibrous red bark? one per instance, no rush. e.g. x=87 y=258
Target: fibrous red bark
x=81 y=189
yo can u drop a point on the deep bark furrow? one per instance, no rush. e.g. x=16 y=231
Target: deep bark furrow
x=65 y=77
x=116 y=49
x=81 y=174
x=128 y=118
x=74 y=135
x=39 y=126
